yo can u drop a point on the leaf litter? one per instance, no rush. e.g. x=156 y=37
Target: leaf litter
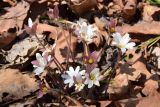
x=79 y=53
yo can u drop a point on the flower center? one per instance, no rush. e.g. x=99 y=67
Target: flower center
x=90 y=61
x=92 y=77
x=112 y=29
x=121 y=45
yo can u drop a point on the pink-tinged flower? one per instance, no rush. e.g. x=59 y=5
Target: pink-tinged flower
x=42 y=89
x=93 y=78
x=53 y=13
x=123 y=42
x=85 y=31
x=91 y=61
x=40 y=63
x=71 y=75
x=79 y=85
x=111 y=24
x=31 y=28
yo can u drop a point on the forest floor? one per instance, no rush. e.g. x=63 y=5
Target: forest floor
x=79 y=53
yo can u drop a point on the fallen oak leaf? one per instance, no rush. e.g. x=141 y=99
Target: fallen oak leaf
x=15 y=84
x=148 y=12
x=14 y=17
x=129 y=9
x=6 y=38
x=82 y=6
x=150 y=101
x=148 y=28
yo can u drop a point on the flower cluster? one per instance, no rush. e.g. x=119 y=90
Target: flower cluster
x=85 y=31
x=90 y=75
x=81 y=78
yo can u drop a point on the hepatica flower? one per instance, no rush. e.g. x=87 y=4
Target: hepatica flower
x=93 y=78
x=79 y=85
x=85 y=32
x=91 y=60
x=72 y=75
x=123 y=42
x=31 y=28
x=40 y=63
x=53 y=13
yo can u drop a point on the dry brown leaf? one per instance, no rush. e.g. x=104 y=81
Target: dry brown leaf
x=125 y=68
x=113 y=8
x=132 y=102
x=132 y=74
x=6 y=38
x=140 y=66
x=148 y=12
x=82 y=6
x=142 y=28
x=15 y=84
x=14 y=17
x=135 y=56
x=119 y=2
x=21 y=51
x=129 y=9
x=119 y=86
x=150 y=86
x=105 y=103
x=100 y=24
x=150 y=101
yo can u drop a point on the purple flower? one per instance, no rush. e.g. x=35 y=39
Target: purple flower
x=91 y=61
x=53 y=13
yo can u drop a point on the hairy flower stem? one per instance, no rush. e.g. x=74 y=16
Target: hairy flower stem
x=40 y=41
x=86 y=51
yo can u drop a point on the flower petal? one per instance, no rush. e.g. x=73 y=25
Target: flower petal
x=126 y=38
x=77 y=70
x=130 y=45
x=35 y=63
x=30 y=23
x=117 y=37
x=38 y=70
x=90 y=84
x=123 y=50
x=96 y=83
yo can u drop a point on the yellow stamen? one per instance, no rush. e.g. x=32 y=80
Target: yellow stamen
x=90 y=60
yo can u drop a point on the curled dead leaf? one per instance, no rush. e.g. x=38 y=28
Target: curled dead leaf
x=6 y=38
x=129 y=9
x=82 y=6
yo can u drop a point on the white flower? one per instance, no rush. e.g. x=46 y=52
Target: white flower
x=71 y=75
x=93 y=78
x=79 y=83
x=40 y=63
x=31 y=28
x=85 y=31
x=30 y=23
x=123 y=41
